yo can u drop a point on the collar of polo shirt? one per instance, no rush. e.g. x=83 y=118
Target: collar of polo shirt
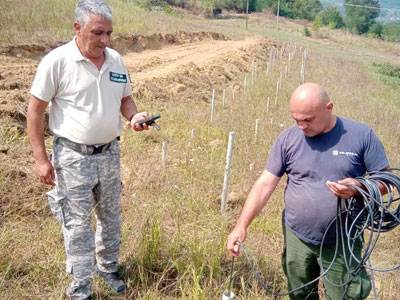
x=77 y=55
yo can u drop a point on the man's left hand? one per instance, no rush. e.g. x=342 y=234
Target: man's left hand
x=342 y=188
x=137 y=117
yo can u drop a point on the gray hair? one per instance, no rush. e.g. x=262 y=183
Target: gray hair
x=85 y=8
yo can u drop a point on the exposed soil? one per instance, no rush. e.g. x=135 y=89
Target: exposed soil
x=180 y=67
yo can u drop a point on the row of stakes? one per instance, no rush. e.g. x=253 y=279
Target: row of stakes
x=228 y=294
x=271 y=62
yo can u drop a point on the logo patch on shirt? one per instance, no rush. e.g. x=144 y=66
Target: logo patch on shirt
x=117 y=77
x=347 y=153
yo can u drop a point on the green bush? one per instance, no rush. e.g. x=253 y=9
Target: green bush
x=388 y=69
x=306 y=9
x=376 y=30
x=332 y=17
x=360 y=19
x=317 y=24
x=306 y=31
x=391 y=32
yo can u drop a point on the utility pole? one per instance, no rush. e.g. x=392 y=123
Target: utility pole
x=277 y=14
x=247 y=13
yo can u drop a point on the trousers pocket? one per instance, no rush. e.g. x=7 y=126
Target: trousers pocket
x=56 y=203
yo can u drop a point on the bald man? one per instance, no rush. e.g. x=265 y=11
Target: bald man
x=320 y=156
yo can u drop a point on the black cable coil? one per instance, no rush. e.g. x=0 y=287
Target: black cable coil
x=372 y=211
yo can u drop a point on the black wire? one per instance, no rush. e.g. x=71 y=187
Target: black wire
x=370 y=211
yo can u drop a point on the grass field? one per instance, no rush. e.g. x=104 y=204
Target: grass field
x=174 y=235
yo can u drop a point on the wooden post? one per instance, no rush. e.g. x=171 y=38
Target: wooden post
x=227 y=171
x=247 y=13
x=256 y=130
x=255 y=70
x=277 y=15
x=193 y=133
x=251 y=166
x=212 y=105
x=223 y=98
x=268 y=101
x=303 y=65
x=252 y=72
x=164 y=152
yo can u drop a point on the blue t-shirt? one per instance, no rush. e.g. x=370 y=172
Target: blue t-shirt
x=350 y=149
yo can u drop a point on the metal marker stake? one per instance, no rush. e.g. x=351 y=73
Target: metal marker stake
x=212 y=105
x=227 y=171
x=228 y=294
x=164 y=152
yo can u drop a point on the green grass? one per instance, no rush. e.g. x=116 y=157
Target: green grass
x=51 y=21
x=173 y=234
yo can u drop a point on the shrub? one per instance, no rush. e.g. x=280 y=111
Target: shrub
x=306 y=31
x=332 y=17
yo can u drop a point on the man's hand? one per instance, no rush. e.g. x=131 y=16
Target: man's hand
x=45 y=172
x=237 y=234
x=137 y=117
x=342 y=188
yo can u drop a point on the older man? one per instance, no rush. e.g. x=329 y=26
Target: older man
x=86 y=86
x=321 y=156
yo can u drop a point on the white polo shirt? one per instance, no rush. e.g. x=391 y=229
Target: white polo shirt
x=85 y=103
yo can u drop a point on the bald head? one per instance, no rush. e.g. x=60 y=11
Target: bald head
x=309 y=94
x=311 y=108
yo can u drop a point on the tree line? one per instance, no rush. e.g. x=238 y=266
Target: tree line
x=360 y=15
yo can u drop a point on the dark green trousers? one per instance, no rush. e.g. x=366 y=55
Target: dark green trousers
x=301 y=263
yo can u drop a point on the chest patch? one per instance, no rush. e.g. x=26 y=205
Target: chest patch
x=117 y=77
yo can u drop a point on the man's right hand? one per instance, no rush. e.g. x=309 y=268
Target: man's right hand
x=45 y=172
x=237 y=234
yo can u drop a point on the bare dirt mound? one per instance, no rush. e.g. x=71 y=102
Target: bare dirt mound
x=181 y=67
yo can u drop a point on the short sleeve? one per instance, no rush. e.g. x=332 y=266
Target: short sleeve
x=44 y=86
x=276 y=162
x=374 y=154
x=127 y=88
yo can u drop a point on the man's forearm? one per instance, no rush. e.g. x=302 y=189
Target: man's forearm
x=35 y=126
x=257 y=199
x=128 y=107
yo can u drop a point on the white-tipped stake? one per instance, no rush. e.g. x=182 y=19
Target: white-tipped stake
x=164 y=152
x=228 y=295
x=227 y=171
x=212 y=105
x=224 y=98
x=256 y=130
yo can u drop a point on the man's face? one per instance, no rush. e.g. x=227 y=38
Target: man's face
x=94 y=36
x=313 y=120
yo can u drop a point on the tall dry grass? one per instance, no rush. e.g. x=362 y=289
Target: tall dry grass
x=174 y=235
x=51 y=21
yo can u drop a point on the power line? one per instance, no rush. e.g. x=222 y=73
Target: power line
x=363 y=6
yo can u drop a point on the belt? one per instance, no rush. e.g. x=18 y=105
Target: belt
x=84 y=149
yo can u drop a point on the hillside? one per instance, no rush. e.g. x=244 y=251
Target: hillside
x=390 y=13
x=173 y=232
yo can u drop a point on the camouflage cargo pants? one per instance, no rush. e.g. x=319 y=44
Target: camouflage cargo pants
x=85 y=182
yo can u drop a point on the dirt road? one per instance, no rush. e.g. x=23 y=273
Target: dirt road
x=159 y=63
x=183 y=71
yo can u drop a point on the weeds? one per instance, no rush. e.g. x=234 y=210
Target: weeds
x=173 y=235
